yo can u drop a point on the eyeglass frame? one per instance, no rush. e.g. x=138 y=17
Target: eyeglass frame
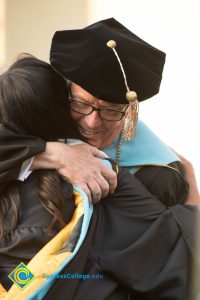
x=70 y=100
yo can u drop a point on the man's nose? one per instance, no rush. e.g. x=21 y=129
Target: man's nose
x=93 y=120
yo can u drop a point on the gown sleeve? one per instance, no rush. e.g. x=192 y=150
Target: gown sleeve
x=14 y=149
x=167 y=182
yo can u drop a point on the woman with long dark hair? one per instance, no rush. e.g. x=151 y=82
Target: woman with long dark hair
x=133 y=242
x=30 y=91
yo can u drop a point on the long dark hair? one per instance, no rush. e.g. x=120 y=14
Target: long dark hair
x=33 y=101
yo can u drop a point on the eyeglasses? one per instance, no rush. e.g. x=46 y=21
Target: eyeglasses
x=104 y=113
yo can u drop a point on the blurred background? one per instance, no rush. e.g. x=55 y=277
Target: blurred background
x=172 y=26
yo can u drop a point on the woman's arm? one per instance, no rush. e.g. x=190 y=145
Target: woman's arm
x=14 y=149
x=166 y=182
x=193 y=197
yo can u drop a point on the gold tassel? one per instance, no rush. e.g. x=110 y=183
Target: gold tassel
x=131 y=120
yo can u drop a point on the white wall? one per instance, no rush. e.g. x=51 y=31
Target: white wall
x=30 y=24
x=174 y=27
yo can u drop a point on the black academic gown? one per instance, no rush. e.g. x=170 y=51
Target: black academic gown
x=170 y=187
x=139 y=245
x=14 y=149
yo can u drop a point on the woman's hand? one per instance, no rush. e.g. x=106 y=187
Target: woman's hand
x=79 y=164
x=193 y=197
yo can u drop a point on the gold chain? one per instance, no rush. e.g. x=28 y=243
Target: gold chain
x=119 y=146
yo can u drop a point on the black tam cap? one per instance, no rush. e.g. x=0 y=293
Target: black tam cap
x=108 y=60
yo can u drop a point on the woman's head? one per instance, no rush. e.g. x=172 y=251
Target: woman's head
x=33 y=100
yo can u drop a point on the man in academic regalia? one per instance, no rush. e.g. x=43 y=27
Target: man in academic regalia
x=110 y=70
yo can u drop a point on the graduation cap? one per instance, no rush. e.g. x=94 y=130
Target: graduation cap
x=108 y=61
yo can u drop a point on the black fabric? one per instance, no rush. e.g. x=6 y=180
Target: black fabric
x=156 y=245
x=139 y=245
x=21 y=244
x=168 y=185
x=14 y=149
x=83 y=57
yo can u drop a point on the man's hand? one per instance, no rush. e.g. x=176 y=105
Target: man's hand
x=79 y=164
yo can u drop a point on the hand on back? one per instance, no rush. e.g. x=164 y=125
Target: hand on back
x=81 y=166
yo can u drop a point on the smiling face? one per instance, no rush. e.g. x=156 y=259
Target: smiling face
x=96 y=131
